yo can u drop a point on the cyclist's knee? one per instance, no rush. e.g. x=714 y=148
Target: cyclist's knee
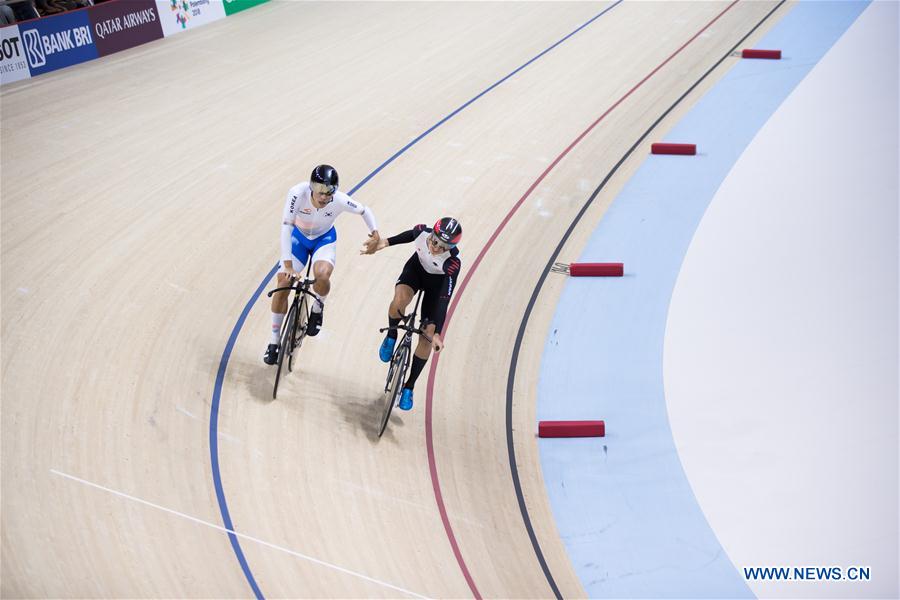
x=323 y=270
x=397 y=308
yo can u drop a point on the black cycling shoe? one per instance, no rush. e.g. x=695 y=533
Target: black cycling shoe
x=271 y=355
x=314 y=323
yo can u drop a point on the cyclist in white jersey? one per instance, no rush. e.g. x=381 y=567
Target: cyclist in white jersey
x=433 y=268
x=308 y=233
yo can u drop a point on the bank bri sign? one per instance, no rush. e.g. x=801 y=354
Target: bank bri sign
x=54 y=42
x=59 y=42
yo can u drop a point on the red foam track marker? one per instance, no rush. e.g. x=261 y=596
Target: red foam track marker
x=596 y=269
x=752 y=53
x=555 y=429
x=667 y=148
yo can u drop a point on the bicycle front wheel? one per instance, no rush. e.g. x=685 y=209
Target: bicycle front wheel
x=399 y=364
x=286 y=346
x=299 y=330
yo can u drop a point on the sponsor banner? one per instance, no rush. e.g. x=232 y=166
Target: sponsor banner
x=121 y=25
x=13 y=64
x=233 y=6
x=57 y=42
x=178 y=15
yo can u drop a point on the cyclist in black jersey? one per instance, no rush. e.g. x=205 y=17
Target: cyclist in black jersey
x=433 y=268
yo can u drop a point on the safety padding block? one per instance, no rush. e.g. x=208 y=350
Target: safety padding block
x=669 y=148
x=596 y=269
x=556 y=429
x=753 y=53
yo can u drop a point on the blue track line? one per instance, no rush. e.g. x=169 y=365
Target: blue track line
x=229 y=346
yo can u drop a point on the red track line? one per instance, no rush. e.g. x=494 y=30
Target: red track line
x=429 y=441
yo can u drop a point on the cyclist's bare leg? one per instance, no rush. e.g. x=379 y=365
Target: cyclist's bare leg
x=279 y=309
x=322 y=270
x=420 y=357
x=423 y=348
x=403 y=295
x=280 y=299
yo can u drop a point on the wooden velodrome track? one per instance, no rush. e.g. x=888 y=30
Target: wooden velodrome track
x=141 y=200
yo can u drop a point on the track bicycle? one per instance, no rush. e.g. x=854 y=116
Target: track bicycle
x=400 y=361
x=293 y=329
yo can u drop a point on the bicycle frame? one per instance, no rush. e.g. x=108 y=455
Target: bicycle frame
x=400 y=360
x=293 y=329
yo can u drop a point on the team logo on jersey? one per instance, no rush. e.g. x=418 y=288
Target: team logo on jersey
x=351 y=204
x=306 y=211
x=329 y=213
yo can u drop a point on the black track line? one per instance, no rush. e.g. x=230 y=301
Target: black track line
x=510 y=446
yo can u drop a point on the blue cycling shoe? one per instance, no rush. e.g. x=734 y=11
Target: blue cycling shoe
x=406 y=399
x=387 y=349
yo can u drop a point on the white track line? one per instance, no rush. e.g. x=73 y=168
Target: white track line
x=184 y=412
x=240 y=535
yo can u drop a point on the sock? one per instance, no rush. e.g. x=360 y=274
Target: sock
x=414 y=369
x=277 y=320
x=392 y=333
x=319 y=304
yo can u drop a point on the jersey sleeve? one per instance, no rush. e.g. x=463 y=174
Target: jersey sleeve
x=451 y=268
x=348 y=204
x=287 y=224
x=407 y=236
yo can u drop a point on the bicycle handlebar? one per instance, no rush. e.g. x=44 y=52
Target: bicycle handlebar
x=407 y=328
x=299 y=286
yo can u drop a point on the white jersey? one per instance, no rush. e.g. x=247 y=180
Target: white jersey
x=432 y=263
x=313 y=222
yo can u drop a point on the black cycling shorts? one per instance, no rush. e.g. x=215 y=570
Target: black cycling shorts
x=418 y=278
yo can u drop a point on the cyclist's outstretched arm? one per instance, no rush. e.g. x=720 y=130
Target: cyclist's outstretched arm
x=372 y=246
x=350 y=205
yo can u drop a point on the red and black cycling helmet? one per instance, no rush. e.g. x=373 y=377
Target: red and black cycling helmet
x=448 y=231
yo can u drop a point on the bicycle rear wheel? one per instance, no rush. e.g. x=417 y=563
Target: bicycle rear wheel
x=397 y=372
x=299 y=330
x=286 y=347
